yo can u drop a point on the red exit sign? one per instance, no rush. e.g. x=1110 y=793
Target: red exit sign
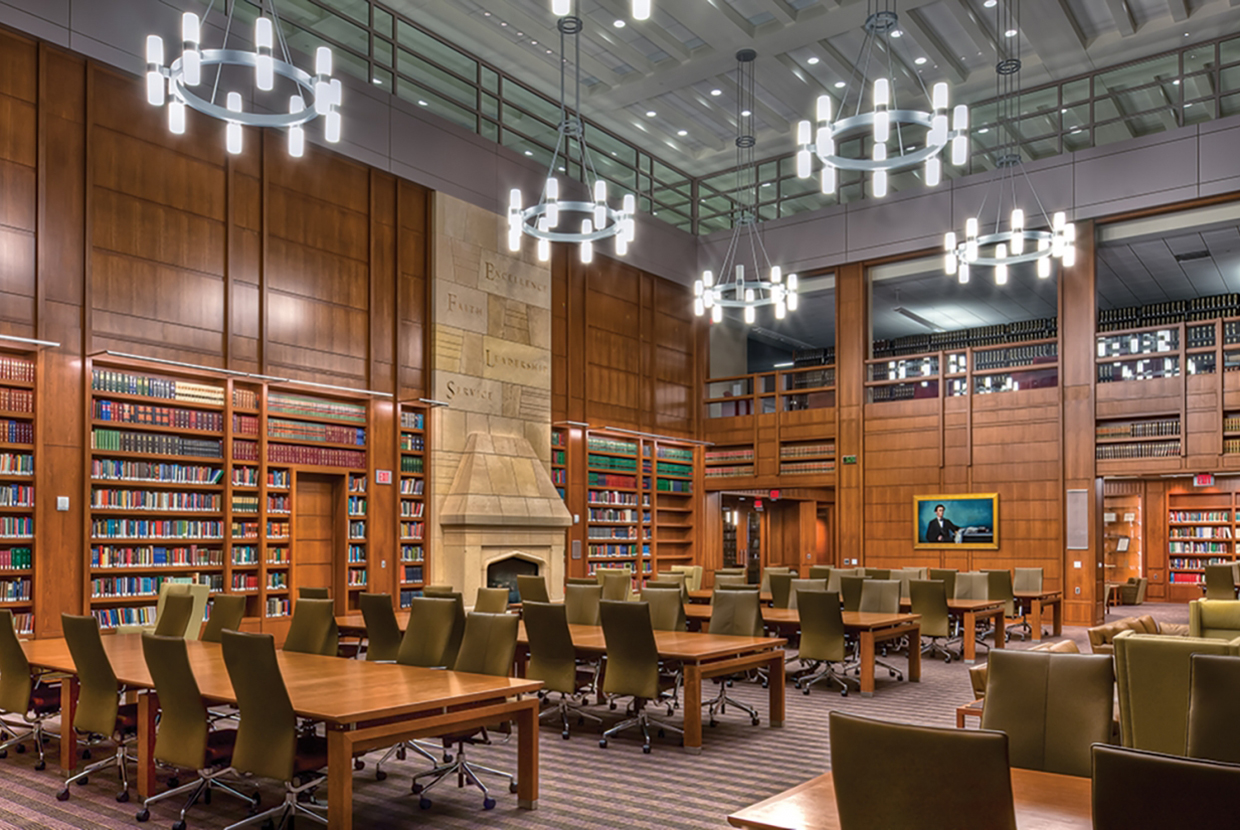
x=1203 y=480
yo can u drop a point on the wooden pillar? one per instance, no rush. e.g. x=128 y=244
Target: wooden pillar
x=852 y=315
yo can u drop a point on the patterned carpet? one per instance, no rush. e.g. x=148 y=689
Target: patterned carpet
x=581 y=784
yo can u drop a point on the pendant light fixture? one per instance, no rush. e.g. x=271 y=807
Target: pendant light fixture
x=554 y=219
x=886 y=120
x=176 y=85
x=1001 y=248
x=734 y=288
x=639 y=8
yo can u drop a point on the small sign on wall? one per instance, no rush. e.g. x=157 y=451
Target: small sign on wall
x=383 y=476
x=1203 y=480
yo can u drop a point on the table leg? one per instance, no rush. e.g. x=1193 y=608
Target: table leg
x=693 y=708
x=1035 y=612
x=959 y=719
x=339 y=781
x=775 y=686
x=148 y=707
x=867 y=663
x=68 y=738
x=1057 y=617
x=969 y=639
x=527 y=756
x=1000 y=634
x=521 y=659
x=914 y=654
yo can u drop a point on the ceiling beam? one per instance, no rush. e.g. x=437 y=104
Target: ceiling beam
x=1179 y=10
x=650 y=30
x=935 y=49
x=1122 y=17
x=1058 y=39
x=972 y=26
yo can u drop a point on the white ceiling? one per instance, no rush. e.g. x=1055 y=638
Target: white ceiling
x=671 y=63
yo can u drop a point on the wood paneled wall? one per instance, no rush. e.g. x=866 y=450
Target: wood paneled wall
x=117 y=235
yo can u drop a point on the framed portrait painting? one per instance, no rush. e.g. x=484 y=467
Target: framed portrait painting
x=967 y=521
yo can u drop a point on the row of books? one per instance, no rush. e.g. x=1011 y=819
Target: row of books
x=245 y=582
x=559 y=476
x=245 y=424
x=606 y=532
x=676 y=453
x=807 y=467
x=159 y=416
x=279 y=503
x=156 y=529
x=107 y=498
x=732 y=471
x=1231 y=446
x=357 y=530
x=141 y=586
x=413 y=420
x=411 y=486
x=612 y=497
x=315 y=456
x=287 y=404
x=126 y=383
x=23 y=622
x=154 y=556
x=111 y=469
x=277 y=581
x=1199 y=516
x=608 y=462
x=600 y=551
x=16 y=464
x=675 y=469
x=16 y=432
x=1161 y=449
x=357 y=483
x=278 y=555
x=1199 y=337
x=244 y=530
x=154 y=443
x=610 y=480
x=1144 y=429
x=16 y=495
x=1169 y=313
x=16 y=400
x=407 y=596
x=14 y=590
x=411 y=553
x=411 y=573
x=411 y=464
x=412 y=530
x=1202 y=532
x=245 y=399
x=745 y=454
x=15 y=368
x=245 y=554
x=357 y=506
x=279 y=607
x=244 y=504
x=803 y=450
x=1231 y=423
x=1198 y=564
x=412 y=509
x=309 y=431
x=610 y=515
x=16 y=559
x=1198 y=547
x=412 y=443
x=356 y=577
x=113 y=617
x=277 y=529
x=599 y=444
x=1182 y=578
x=356 y=553
x=245 y=450
x=899 y=392
x=16 y=527
x=672 y=485
x=981 y=336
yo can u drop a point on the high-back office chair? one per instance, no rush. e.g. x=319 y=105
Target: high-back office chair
x=1026 y=579
x=491 y=601
x=820 y=571
x=553 y=660
x=175 y=619
x=929 y=599
x=1213 y=728
x=681 y=580
x=439 y=590
x=999 y=586
x=850 y=591
x=269 y=744
x=382 y=630
x=667 y=610
x=99 y=714
x=1134 y=789
x=905 y=575
x=581 y=603
x=1218 y=619
x=974 y=585
x=877 y=573
x=632 y=667
x=676 y=585
x=617 y=586
x=227 y=611
x=737 y=613
x=184 y=740
x=1053 y=707
x=581 y=580
x=693 y=576
x=313 y=628
x=22 y=694
x=730 y=579
x=488 y=646
x=718 y=572
x=765 y=585
x=833 y=581
x=819 y=584
x=192 y=619
x=780 y=585
x=1220 y=582
x=881 y=596
x=533 y=587
x=822 y=640
x=458 y=627
x=310 y=592
x=961 y=773
x=947 y=576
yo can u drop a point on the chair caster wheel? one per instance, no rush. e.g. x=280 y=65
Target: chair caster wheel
x=843 y=692
x=175 y=782
x=40 y=765
x=612 y=705
x=21 y=748
x=805 y=691
x=512 y=788
x=180 y=825
x=380 y=775
x=206 y=796
x=359 y=764
x=488 y=803
x=766 y=684
x=400 y=754
x=144 y=815
x=602 y=744
x=947 y=659
x=415 y=788
x=669 y=711
x=82 y=782
x=63 y=795
x=714 y=722
x=891 y=674
x=754 y=720
x=447 y=757
x=564 y=734
x=646 y=749
x=85 y=754
x=425 y=803
x=122 y=796
x=4 y=753
x=662 y=734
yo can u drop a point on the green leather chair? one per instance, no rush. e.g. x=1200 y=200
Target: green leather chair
x=1053 y=707
x=718 y=572
x=674 y=584
x=780 y=585
x=227 y=611
x=1027 y=579
x=1132 y=592
x=383 y=635
x=999 y=586
x=907 y=575
x=487 y=647
x=837 y=574
x=722 y=580
x=617 y=586
x=532 y=586
x=491 y=601
x=822 y=647
x=1213 y=727
x=972 y=585
x=819 y=584
x=850 y=592
x=737 y=613
x=947 y=776
x=1153 y=677
x=438 y=590
x=929 y=599
x=693 y=575
x=947 y=576
x=269 y=744
x=581 y=580
x=632 y=667
x=881 y=596
x=458 y=625
x=1150 y=789
x=99 y=715
x=184 y=740
x=765 y=585
x=667 y=609
x=174 y=586
x=820 y=571
x=1220 y=582
x=877 y=573
x=1214 y=618
x=175 y=618
x=581 y=603
x=553 y=660
x=22 y=695
x=308 y=592
x=313 y=628
x=679 y=578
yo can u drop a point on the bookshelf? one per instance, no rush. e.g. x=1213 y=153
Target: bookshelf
x=411 y=529
x=559 y=460
x=728 y=462
x=1120 y=439
x=18 y=372
x=619 y=529
x=1201 y=530
x=806 y=457
x=674 y=502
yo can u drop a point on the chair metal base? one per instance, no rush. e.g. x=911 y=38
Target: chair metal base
x=30 y=730
x=207 y=780
x=821 y=671
x=283 y=813
x=565 y=706
x=399 y=750
x=940 y=645
x=465 y=772
x=642 y=721
x=116 y=759
x=721 y=702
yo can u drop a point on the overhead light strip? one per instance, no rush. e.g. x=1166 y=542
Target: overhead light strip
x=660 y=437
x=239 y=374
x=28 y=341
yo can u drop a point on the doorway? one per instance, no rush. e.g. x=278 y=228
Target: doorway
x=317 y=515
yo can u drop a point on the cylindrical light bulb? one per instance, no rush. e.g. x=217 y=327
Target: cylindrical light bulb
x=938 y=96
x=587 y=247
x=296 y=141
x=938 y=131
x=804 y=163
x=600 y=190
x=882 y=92
x=232 y=133
x=960 y=118
x=934 y=171
x=553 y=213
x=740 y=273
x=970 y=250
x=630 y=203
x=793 y=282
x=191 y=57
x=823 y=109
x=824 y=144
x=264 y=67
x=323 y=61
x=561 y=8
x=1018 y=243
x=1001 y=274
x=950 y=263
x=154 y=78
x=1001 y=251
x=514 y=239
x=777 y=274
x=879 y=181
x=716 y=314
x=1058 y=220
x=827 y=179
x=960 y=150
x=708 y=278
x=1069 y=256
x=622 y=244
x=804 y=132
x=962 y=274
x=544 y=250
x=1044 y=267
x=600 y=215
x=699 y=308
x=176 y=117
x=514 y=199
x=191 y=29
x=949 y=241
x=794 y=300
x=552 y=188
x=1018 y=219
x=1069 y=232
x=970 y=227
x=882 y=126
x=781 y=310
x=708 y=297
x=331 y=130
x=641 y=9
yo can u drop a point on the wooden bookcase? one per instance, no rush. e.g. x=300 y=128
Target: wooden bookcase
x=1201 y=530
x=411 y=530
x=559 y=461
x=18 y=371
x=675 y=488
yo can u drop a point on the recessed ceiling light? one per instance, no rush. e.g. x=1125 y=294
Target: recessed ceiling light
x=1176 y=82
x=919 y=61
x=561 y=169
x=528 y=153
x=1186 y=34
x=990 y=4
x=984 y=130
x=1010 y=33
x=486 y=14
x=619 y=24
x=378 y=81
x=716 y=92
x=533 y=43
x=421 y=103
x=682 y=132
x=746 y=113
x=812 y=61
x=839 y=84
x=548 y=51
x=897 y=33
x=502 y=23
x=651 y=113
x=520 y=34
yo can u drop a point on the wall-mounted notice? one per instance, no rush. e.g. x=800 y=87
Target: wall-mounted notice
x=1078 y=520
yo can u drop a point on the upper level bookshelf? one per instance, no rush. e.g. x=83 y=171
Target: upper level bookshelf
x=18 y=371
x=559 y=460
x=411 y=528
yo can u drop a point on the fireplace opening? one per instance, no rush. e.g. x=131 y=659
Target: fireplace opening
x=504 y=573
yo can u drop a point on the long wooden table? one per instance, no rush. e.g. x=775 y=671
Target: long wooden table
x=871 y=629
x=1043 y=801
x=364 y=705
x=972 y=610
x=703 y=656
x=1037 y=601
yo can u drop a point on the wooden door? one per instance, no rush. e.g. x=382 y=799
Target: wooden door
x=317 y=514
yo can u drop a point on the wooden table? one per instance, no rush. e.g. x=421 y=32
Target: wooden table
x=703 y=656
x=364 y=705
x=972 y=610
x=1038 y=600
x=1043 y=801
x=969 y=710
x=705 y=595
x=871 y=629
